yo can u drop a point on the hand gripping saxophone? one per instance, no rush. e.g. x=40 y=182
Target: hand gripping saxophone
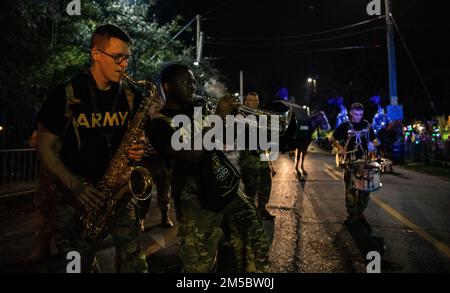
x=120 y=180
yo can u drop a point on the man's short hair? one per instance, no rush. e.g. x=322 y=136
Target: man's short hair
x=170 y=72
x=105 y=32
x=250 y=94
x=357 y=106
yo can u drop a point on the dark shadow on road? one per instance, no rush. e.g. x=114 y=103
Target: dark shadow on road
x=301 y=179
x=400 y=175
x=361 y=233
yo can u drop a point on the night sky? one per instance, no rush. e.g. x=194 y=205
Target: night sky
x=256 y=36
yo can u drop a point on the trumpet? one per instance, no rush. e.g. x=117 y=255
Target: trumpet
x=284 y=117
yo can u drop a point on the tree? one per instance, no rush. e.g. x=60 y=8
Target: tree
x=44 y=46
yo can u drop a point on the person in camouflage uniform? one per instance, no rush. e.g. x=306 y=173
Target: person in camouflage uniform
x=89 y=115
x=201 y=228
x=125 y=233
x=160 y=175
x=256 y=174
x=158 y=170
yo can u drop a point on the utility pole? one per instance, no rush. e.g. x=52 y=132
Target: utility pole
x=197 y=39
x=200 y=49
x=391 y=56
x=241 y=86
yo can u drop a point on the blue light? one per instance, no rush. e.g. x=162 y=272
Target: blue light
x=282 y=93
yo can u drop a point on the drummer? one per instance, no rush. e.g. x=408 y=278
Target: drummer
x=354 y=139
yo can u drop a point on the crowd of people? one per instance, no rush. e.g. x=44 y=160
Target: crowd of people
x=79 y=130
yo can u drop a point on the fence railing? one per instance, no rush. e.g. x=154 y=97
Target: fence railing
x=435 y=153
x=19 y=172
x=16 y=130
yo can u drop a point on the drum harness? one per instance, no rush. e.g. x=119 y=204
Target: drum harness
x=358 y=143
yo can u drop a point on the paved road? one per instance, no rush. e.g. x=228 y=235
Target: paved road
x=408 y=216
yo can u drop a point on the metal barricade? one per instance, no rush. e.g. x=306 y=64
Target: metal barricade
x=19 y=172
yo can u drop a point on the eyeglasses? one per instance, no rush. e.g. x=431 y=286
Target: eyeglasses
x=118 y=58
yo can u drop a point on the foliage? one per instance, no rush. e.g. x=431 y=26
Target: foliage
x=43 y=46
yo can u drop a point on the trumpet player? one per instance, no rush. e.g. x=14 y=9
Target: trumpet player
x=206 y=203
x=256 y=174
x=89 y=116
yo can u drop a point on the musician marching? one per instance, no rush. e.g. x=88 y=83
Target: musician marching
x=90 y=115
x=256 y=174
x=354 y=140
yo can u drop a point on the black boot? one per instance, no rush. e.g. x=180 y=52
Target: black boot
x=265 y=215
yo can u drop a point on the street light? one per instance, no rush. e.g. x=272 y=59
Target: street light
x=313 y=81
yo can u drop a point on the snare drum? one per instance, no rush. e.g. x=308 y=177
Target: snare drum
x=365 y=176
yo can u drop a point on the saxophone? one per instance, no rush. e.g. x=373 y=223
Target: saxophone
x=97 y=223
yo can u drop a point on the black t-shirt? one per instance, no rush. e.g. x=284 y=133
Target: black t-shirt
x=343 y=132
x=159 y=132
x=216 y=178
x=101 y=119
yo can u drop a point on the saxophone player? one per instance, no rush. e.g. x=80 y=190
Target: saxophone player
x=89 y=115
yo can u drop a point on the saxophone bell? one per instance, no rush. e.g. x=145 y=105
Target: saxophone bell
x=140 y=183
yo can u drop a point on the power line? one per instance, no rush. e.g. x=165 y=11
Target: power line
x=301 y=35
x=301 y=51
x=181 y=30
x=414 y=66
x=296 y=43
x=174 y=37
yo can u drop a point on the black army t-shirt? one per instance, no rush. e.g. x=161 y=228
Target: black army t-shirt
x=342 y=133
x=96 y=126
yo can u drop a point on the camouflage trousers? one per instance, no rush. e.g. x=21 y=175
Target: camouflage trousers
x=160 y=175
x=125 y=233
x=256 y=177
x=356 y=201
x=201 y=231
